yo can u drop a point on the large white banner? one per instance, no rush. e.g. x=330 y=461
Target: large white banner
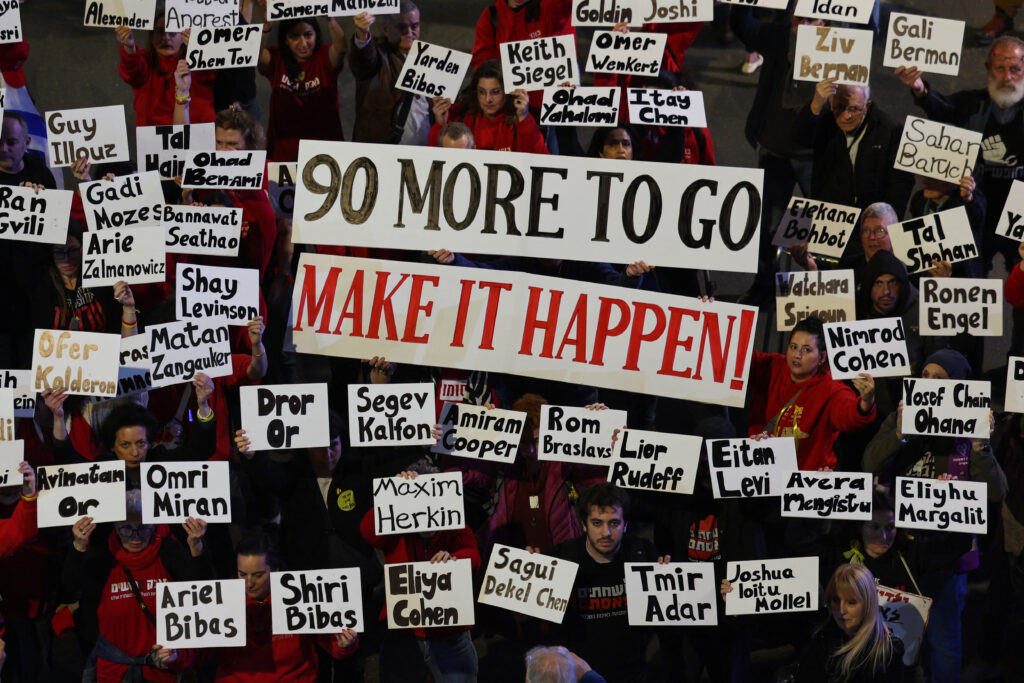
x=484 y=202
x=524 y=324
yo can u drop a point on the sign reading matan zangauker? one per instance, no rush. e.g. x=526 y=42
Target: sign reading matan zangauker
x=430 y=502
x=425 y=594
x=942 y=505
x=570 y=434
x=391 y=414
x=923 y=242
x=230 y=47
x=178 y=350
x=529 y=583
x=97 y=133
x=132 y=255
x=674 y=594
x=276 y=416
x=525 y=324
x=661 y=107
x=174 y=491
x=472 y=431
x=937 y=150
x=835 y=495
x=164 y=148
x=635 y=53
x=828 y=295
x=28 y=215
x=69 y=492
x=536 y=64
x=946 y=407
x=745 y=468
x=316 y=601
x=928 y=43
x=83 y=363
x=433 y=70
x=128 y=201
x=826 y=52
x=655 y=461
x=485 y=202
x=772 y=586
x=135 y=14
x=954 y=305
x=877 y=346
x=201 y=613
x=850 y=11
x=825 y=228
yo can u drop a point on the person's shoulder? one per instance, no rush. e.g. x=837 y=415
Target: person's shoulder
x=571 y=549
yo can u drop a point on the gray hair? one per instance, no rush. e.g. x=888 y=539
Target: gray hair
x=404 y=7
x=550 y=665
x=866 y=89
x=880 y=210
x=456 y=130
x=1012 y=41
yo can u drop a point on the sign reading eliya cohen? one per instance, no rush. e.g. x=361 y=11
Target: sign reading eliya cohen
x=391 y=414
x=946 y=407
x=132 y=255
x=828 y=295
x=224 y=170
x=569 y=434
x=30 y=215
x=674 y=594
x=659 y=107
x=429 y=502
x=655 y=461
x=212 y=230
x=825 y=52
x=583 y=106
x=163 y=148
x=952 y=305
x=745 y=468
x=825 y=228
x=97 y=134
x=285 y=416
x=177 y=351
x=836 y=495
x=129 y=201
x=194 y=614
x=772 y=586
x=214 y=292
x=428 y=594
x=537 y=63
x=928 y=43
x=316 y=601
x=69 y=492
x=83 y=363
x=923 y=242
x=937 y=150
x=471 y=431
x=174 y=491
x=433 y=71
x=528 y=583
x=942 y=505
x=636 y=53
x=877 y=347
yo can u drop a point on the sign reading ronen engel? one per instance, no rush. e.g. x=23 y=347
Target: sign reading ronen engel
x=953 y=305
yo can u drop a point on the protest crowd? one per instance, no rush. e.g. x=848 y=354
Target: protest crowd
x=448 y=394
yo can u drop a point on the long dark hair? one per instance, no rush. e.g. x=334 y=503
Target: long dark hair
x=489 y=69
x=601 y=135
x=291 y=65
x=76 y=230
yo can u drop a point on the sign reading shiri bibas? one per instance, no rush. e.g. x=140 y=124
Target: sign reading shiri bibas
x=851 y=11
x=178 y=350
x=472 y=431
x=12 y=454
x=196 y=614
x=828 y=295
x=906 y=615
x=433 y=70
x=524 y=324
x=229 y=47
x=218 y=292
x=30 y=215
x=132 y=255
x=528 y=583
x=877 y=346
x=429 y=502
x=583 y=106
x=1014 y=401
x=97 y=134
x=391 y=414
x=164 y=148
x=426 y=594
x=1011 y=220
x=946 y=407
x=174 y=491
x=316 y=601
x=82 y=363
x=660 y=107
x=486 y=202
x=183 y=14
x=277 y=416
x=569 y=434
x=826 y=52
x=655 y=461
x=135 y=14
x=824 y=227
x=745 y=468
x=129 y=201
x=952 y=305
x=635 y=53
x=923 y=242
x=772 y=586
x=835 y=495
x=674 y=594
x=607 y=12
x=937 y=150
x=224 y=170
x=213 y=230
x=928 y=43
x=536 y=64
x=942 y=505
x=69 y=492
x=278 y=10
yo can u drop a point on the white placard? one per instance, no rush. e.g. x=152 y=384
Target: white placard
x=281 y=187
x=225 y=170
x=928 y=43
x=947 y=505
x=923 y=242
x=20 y=382
x=391 y=414
x=570 y=434
x=669 y=11
x=164 y=148
x=10 y=21
x=937 y=150
x=294 y=9
x=528 y=583
x=137 y=15
x=835 y=495
x=217 y=291
x=433 y=70
x=826 y=52
x=425 y=595
x=316 y=601
x=12 y=454
x=277 y=416
x=69 y=492
x=132 y=255
x=193 y=14
x=7 y=432
x=430 y=502
x=129 y=201
x=824 y=227
x=828 y=295
x=82 y=363
x=583 y=106
x=954 y=305
x=232 y=47
x=178 y=350
x=28 y=215
x=772 y=586
x=763 y=4
x=537 y=63
x=1011 y=220
x=636 y=53
x=745 y=468
x=133 y=376
x=906 y=615
x=472 y=431
x=674 y=594
x=607 y=13
x=96 y=133
x=655 y=461
x=946 y=407
x=174 y=491
x=849 y=11
x=877 y=346
x=661 y=107
x=1014 y=401
x=213 y=230
x=200 y=614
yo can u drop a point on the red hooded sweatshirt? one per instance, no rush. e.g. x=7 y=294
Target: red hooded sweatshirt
x=1014 y=287
x=153 y=83
x=497 y=134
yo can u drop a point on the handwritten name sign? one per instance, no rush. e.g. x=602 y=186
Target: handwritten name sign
x=83 y=363
x=69 y=492
x=164 y=148
x=946 y=407
x=30 y=216
x=634 y=53
x=178 y=350
x=950 y=306
x=824 y=227
x=224 y=170
x=215 y=291
x=10 y=21
x=433 y=70
x=192 y=14
x=285 y=416
x=12 y=454
x=316 y=601
x=772 y=586
x=850 y=11
x=569 y=434
x=928 y=43
x=745 y=468
x=660 y=107
x=200 y=613
x=825 y=52
x=763 y=4
x=471 y=431
x=951 y=505
x=606 y=12
x=425 y=594
x=24 y=396
x=828 y=295
x=923 y=242
x=906 y=615
x=668 y=11
x=230 y=47
x=97 y=134
x=877 y=347
x=131 y=201
x=836 y=495
x=655 y=461
x=937 y=150
x=1011 y=220
x=281 y=187
x=1014 y=401
x=674 y=594
x=135 y=14
x=297 y=9
x=214 y=230
x=528 y=583
x=583 y=106
x=539 y=63
x=174 y=491
x=391 y=414
x=134 y=255
x=430 y=502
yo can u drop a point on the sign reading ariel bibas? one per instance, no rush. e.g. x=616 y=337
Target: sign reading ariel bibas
x=487 y=202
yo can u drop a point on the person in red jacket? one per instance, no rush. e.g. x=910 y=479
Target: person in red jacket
x=499 y=122
x=21 y=526
x=446 y=652
x=794 y=395
x=1013 y=289
x=269 y=657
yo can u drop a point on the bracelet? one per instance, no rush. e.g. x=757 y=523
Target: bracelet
x=129 y=325
x=204 y=419
x=256 y=355
x=29 y=499
x=182 y=99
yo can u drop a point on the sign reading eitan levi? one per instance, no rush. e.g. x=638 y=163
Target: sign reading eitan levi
x=824 y=227
x=826 y=52
x=923 y=242
x=745 y=468
x=569 y=434
x=877 y=346
x=937 y=150
x=674 y=594
x=655 y=461
x=430 y=502
x=828 y=295
x=946 y=407
x=953 y=305
x=928 y=43
x=941 y=505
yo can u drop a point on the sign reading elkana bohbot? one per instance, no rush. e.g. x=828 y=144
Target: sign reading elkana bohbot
x=524 y=324
x=486 y=202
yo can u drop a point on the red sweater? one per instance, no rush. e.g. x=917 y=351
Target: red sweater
x=824 y=408
x=12 y=58
x=1013 y=290
x=21 y=527
x=154 y=89
x=496 y=134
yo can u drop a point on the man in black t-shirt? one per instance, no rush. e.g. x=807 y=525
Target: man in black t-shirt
x=17 y=165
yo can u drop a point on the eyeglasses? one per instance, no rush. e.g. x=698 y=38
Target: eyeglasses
x=852 y=111
x=127 y=533
x=875 y=232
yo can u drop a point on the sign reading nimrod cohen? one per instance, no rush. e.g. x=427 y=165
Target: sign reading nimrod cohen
x=877 y=347
x=485 y=202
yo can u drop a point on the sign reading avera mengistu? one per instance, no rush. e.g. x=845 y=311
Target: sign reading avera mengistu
x=97 y=134
x=174 y=491
x=276 y=416
x=937 y=150
x=570 y=434
x=83 y=363
x=673 y=594
x=197 y=614
x=427 y=594
x=528 y=583
x=178 y=350
x=212 y=230
x=218 y=292
x=537 y=63
x=835 y=495
x=946 y=407
x=69 y=492
x=163 y=148
x=429 y=502
x=316 y=601
x=953 y=305
x=942 y=505
x=745 y=468
x=655 y=461
x=877 y=346
x=828 y=295
x=391 y=414
x=825 y=228
x=472 y=431
x=772 y=586
x=129 y=201
x=29 y=215
x=922 y=243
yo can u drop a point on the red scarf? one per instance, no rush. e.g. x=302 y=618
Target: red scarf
x=140 y=560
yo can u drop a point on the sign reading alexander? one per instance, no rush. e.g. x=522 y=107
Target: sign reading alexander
x=824 y=227
x=828 y=295
x=953 y=305
x=484 y=202
x=135 y=14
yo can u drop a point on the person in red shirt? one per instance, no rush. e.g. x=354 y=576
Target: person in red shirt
x=794 y=395
x=21 y=527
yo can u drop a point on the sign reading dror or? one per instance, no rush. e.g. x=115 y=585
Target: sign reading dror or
x=195 y=614
x=745 y=468
x=285 y=416
x=316 y=601
x=828 y=295
x=97 y=134
x=83 y=363
x=825 y=228
x=569 y=434
x=946 y=407
x=430 y=502
x=659 y=107
x=675 y=594
x=655 y=461
x=928 y=43
x=433 y=71
x=471 y=431
x=174 y=491
x=30 y=215
x=922 y=243
x=772 y=586
x=826 y=52
x=877 y=347
x=69 y=492
x=836 y=495
x=539 y=63
x=952 y=305
x=637 y=54
x=937 y=150
x=427 y=594
x=942 y=505
x=164 y=148
x=528 y=583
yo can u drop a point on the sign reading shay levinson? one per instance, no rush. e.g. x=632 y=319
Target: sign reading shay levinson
x=937 y=150
x=164 y=148
x=877 y=347
x=195 y=614
x=174 y=491
x=946 y=407
x=825 y=228
x=98 y=134
x=955 y=305
x=529 y=583
x=524 y=324
x=942 y=505
x=569 y=434
x=772 y=586
x=135 y=14
x=429 y=502
x=391 y=414
x=635 y=53
x=923 y=242
x=536 y=64
x=828 y=295
x=426 y=594
x=655 y=461
x=472 y=431
x=674 y=594
x=83 y=363
x=928 y=43
x=660 y=107
x=826 y=52
x=745 y=468
x=486 y=202
x=69 y=492
x=316 y=601
x=285 y=416
x=836 y=495
x=28 y=215
x=216 y=291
